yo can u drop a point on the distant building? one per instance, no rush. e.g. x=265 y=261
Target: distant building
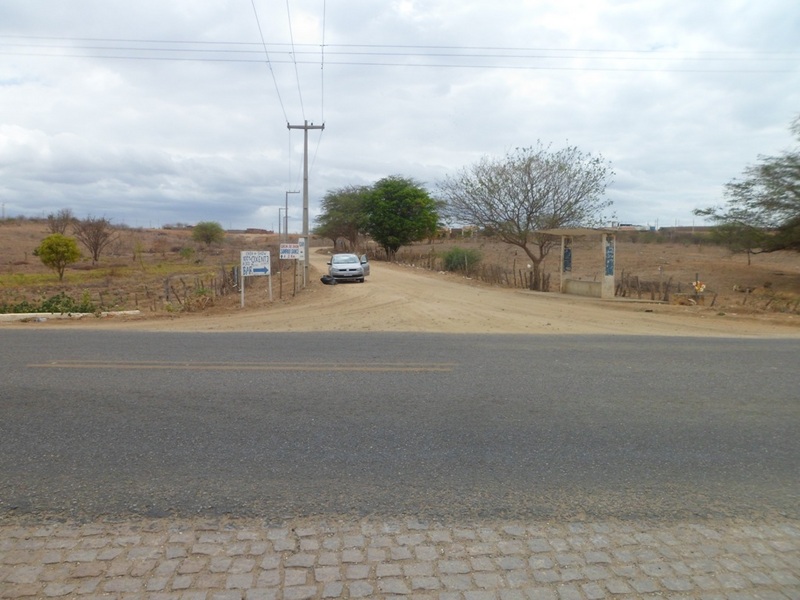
x=630 y=227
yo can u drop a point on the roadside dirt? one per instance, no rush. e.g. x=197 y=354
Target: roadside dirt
x=400 y=298
x=136 y=270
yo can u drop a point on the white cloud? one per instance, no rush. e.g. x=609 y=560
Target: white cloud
x=680 y=96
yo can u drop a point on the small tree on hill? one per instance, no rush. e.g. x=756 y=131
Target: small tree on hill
x=740 y=237
x=208 y=232
x=95 y=234
x=56 y=251
x=58 y=222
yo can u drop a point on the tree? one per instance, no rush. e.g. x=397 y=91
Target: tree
x=762 y=211
x=95 y=234
x=58 y=222
x=740 y=237
x=399 y=211
x=342 y=214
x=208 y=232
x=56 y=251
x=526 y=191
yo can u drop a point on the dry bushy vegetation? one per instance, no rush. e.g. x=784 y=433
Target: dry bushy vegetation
x=162 y=271
x=153 y=270
x=650 y=266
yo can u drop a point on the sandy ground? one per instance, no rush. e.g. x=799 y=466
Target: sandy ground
x=404 y=299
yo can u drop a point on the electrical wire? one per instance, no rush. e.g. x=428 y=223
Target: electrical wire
x=785 y=54
x=290 y=153
x=471 y=57
x=733 y=70
x=294 y=60
x=316 y=150
x=293 y=52
x=269 y=63
x=299 y=87
x=321 y=85
x=322 y=64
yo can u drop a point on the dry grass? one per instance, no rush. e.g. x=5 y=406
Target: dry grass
x=650 y=265
x=163 y=271
x=150 y=270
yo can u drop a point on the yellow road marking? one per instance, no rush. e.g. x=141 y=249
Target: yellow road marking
x=247 y=366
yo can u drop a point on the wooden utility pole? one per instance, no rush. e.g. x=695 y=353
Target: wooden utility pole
x=305 y=127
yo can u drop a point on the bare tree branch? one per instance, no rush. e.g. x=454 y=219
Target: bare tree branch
x=529 y=190
x=95 y=234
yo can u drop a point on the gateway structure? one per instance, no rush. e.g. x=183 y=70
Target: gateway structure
x=608 y=244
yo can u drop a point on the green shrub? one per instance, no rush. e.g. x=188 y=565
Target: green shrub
x=22 y=306
x=208 y=232
x=461 y=259
x=60 y=303
x=57 y=251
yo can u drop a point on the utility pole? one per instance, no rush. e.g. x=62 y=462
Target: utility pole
x=286 y=217
x=305 y=127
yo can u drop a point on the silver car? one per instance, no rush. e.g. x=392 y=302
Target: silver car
x=348 y=267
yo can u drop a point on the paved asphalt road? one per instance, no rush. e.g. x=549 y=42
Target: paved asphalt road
x=287 y=425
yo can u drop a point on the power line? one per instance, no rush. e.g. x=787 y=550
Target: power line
x=269 y=63
x=784 y=53
x=661 y=69
x=321 y=85
x=399 y=51
x=322 y=66
x=294 y=60
x=293 y=52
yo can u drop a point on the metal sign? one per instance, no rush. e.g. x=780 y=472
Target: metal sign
x=255 y=263
x=290 y=252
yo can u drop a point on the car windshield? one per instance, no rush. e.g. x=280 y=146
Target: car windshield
x=345 y=259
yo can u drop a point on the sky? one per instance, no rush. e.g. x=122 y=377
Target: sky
x=154 y=113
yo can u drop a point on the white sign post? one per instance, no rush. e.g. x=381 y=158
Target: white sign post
x=295 y=252
x=303 y=243
x=255 y=263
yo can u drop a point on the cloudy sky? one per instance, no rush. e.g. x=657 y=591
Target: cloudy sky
x=154 y=112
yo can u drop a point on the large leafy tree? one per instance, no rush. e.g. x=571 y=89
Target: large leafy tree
x=762 y=210
x=56 y=251
x=526 y=191
x=399 y=211
x=343 y=214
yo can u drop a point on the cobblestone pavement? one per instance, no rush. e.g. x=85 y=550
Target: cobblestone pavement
x=246 y=559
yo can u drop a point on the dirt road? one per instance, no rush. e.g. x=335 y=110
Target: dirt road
x=402 y=298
